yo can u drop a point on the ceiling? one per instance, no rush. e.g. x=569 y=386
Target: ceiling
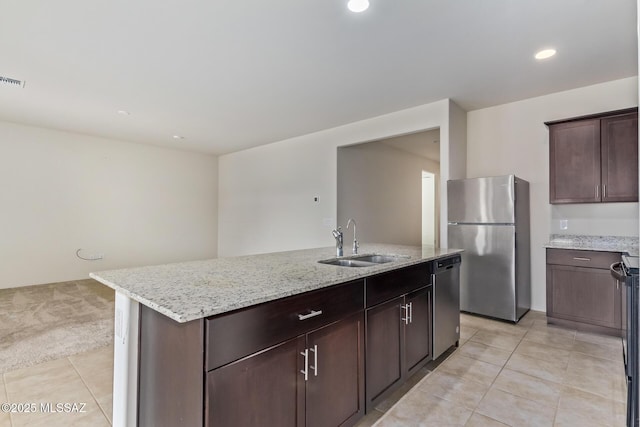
x=229 y=74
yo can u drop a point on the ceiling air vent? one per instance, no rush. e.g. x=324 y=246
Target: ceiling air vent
x=7 y=81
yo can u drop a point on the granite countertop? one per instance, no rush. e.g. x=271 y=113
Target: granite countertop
x=193 y=290
x=628 y=245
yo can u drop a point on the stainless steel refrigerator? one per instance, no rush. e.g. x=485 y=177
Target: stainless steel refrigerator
x=489 y=219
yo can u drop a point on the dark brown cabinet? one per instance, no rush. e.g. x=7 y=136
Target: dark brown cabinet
x=384 y=350
x=417 y=342
x=261 y=389
x=316 y=359
x=335 y=385
x=581 y=292
x=314 y=380
x=297 y=362
x=398 y=333
x=619 y=158
x=594 y=159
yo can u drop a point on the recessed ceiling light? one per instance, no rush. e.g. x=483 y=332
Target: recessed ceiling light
x=358 y=5
x=123 y=112
x=546 y=53
x=178 y=137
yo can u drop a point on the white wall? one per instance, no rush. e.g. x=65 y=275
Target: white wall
x=512 y=138
x=135 y=204
x=266 y=193
x=606 y=219
x=381 y=188
x=456 y=166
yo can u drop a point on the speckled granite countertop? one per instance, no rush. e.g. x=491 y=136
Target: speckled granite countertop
x=193 y=290
x=627 y=245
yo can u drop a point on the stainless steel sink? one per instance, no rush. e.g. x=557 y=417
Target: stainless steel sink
x=347 y=262
x=363 y=260
x=378 y=259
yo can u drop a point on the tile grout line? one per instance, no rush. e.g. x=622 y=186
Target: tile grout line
x=386 y=413
x=503 y=367
x=563 y=384
x=494 y=380
x=90 y=391
x=473 y=411
x=6 y=393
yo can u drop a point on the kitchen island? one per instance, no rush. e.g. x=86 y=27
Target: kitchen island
x=179 y=326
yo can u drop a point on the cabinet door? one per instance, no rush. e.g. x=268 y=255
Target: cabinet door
x=264 y=389
x=587 y=295
x=384 y=349
x=418 y=331
x=574 y=162
x=619 y=141
x=335 y=386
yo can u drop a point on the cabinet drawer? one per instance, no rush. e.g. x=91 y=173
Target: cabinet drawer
x=237 y=334
x=590 y=259
x=386 y=286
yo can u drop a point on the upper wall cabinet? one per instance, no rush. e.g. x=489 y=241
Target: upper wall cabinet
x=594 y=159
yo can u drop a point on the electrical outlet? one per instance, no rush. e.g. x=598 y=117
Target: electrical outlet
x=564 y=224
x=327 y=222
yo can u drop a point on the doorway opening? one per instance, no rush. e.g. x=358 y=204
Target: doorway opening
x=380 y=186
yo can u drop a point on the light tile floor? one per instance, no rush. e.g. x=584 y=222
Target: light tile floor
x=528 y=374
x=85 y=378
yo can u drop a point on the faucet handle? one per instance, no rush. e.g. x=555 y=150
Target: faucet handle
x=337 y=233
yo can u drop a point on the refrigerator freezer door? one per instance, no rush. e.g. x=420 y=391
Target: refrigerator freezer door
x=481 y=200
x=487 y=274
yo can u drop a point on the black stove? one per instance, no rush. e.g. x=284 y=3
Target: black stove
x=631 y=263
x=626 y=272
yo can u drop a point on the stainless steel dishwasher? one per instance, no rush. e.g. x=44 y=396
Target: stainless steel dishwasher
x=446 y=304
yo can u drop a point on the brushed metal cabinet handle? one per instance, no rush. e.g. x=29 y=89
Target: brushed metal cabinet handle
x=405 y=319
x=411 y=312
x=305 y=371
x=604 y=191
x=313 y=313
x=579 y=258
x=315 y=360
x=597 y=188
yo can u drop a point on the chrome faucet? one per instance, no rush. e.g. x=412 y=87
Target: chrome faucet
x=337 y=234
x=355 y=241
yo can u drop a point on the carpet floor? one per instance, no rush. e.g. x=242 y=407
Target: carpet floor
x=46 y=322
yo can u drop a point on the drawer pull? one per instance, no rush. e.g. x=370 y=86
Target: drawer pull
x=313 y=313
x=579 y=258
